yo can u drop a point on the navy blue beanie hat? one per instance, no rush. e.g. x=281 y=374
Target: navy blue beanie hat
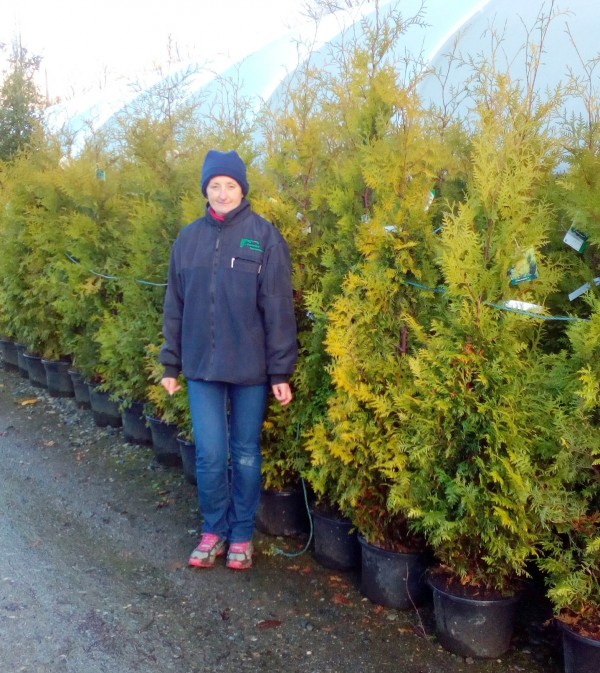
x=224 y=163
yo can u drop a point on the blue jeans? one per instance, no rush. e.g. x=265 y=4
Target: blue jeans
x=227 y=421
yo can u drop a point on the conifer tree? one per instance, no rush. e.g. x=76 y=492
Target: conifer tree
x=571 y=559
x=375 y=318
x=21 y=104
x=32 y=236
x=482 y=447
x=339 y=103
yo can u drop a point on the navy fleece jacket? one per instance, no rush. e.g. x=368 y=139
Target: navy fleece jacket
x=228 y=311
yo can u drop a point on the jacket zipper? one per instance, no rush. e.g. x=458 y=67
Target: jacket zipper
x=213 y=292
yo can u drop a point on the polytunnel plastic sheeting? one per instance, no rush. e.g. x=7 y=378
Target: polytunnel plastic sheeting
x=569 y=43
x=265 y=71
x=461 y=27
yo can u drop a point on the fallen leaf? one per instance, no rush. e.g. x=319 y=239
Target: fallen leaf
x=268 y=623
x=33 y=400
x=336 y=579
x=341 y=599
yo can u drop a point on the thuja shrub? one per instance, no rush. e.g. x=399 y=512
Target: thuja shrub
x=317 y=144
x=92 y=249
x=32 y=281
x=160 y=184
x=571 y=551
x=483 y=451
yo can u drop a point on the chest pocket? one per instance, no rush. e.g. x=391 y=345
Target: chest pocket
x=245 y=265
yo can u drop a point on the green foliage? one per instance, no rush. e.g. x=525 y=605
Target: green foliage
x=91 y=247
x=571 y=560
x=482 y=448
x=424 y=408
x=168 y=408
x=480 y=436
x=21 y=104
x=573 y=571
x=32 y=275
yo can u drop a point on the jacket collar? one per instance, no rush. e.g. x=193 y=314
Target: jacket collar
x=230 y=217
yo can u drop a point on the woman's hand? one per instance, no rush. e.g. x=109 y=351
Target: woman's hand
x=283 y=393
x=170 y=384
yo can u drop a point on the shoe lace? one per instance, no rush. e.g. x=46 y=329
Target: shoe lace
x=208 y=541
x=239 y=547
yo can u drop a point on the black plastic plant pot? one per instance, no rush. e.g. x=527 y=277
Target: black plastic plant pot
x=393 y=579
x=336 y=543
x=58 y=378
x=164 y=442
x=21 y=361
x=10 y=357
x=80 y=389
x=106 y=412
x=187 y=450
x=580 y=654
x=135 y=428
x=282 y=513
x=36 y=369
x=472 y=627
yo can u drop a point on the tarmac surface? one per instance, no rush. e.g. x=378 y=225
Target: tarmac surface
x=94 y=541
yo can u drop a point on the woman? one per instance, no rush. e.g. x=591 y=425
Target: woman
x=229 y=326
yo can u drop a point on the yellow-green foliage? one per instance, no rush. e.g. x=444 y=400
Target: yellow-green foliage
x=483 y=448
x=572 y=568
x=353 y=158
x=373 y=325
x=423 y=405
x=571 y=560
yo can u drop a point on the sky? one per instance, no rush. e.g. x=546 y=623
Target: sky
x=95 y=50
x=86 y=46
x=83 y=44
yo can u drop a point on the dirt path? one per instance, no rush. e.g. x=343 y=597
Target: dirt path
x=94 y=541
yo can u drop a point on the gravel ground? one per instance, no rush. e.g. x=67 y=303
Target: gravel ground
x=93 y=577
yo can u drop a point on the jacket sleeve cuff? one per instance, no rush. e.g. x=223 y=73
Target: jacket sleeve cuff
x=279 y=378
x=171 y=372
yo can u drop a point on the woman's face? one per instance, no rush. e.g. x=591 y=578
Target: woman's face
x=224 y=194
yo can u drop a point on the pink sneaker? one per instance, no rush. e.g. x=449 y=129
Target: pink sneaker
x=239 y=556
x=205 y=554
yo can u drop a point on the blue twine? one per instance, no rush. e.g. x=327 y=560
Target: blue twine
x=281 y=552
x=500 y=307
x=413 y=283
x=102 y=275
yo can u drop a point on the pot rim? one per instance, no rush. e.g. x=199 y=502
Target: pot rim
x=566 y=628
x=504 y=600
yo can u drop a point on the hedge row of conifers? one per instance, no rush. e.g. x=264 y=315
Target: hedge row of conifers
x=448 y=385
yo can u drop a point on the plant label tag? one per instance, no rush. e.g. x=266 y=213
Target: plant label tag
x=517 y=305
x=576 y=239
x=582 y=289
x=525 y=269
